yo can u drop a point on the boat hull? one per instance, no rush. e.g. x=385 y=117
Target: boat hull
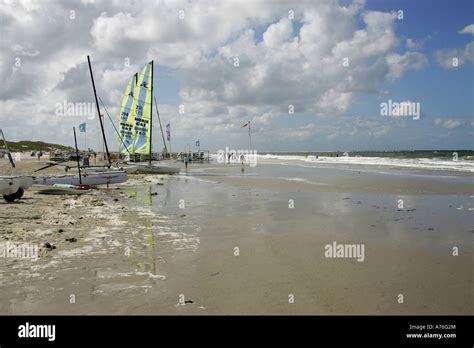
x=90 y=179
x=11 y=184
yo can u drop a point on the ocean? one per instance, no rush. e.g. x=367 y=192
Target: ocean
x=461 y=161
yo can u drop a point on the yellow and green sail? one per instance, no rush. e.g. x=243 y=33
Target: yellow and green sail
x=135 y=113
x=125 y=119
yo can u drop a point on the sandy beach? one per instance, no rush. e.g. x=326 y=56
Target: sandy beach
x=218 y=240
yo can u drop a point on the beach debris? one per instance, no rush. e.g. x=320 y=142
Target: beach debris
x=182 y=215
x=116 y=199
x=49 y=246
x=346 y=198
x=430 y=229
x=154 y=194
x=60 y=230
x=71 y=240
x=214 y=274
x=188 y=301
x=159 y=183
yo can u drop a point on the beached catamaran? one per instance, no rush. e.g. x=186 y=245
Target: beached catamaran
x=12 y=187
x=136 y=123
x=66 y=189
x=99 y=175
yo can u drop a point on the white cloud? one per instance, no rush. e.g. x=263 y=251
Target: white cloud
x=412 y=44
x=468 y=29
x=399 y=64
x=449 y=123
x=450 y=58
x=276 y=34
x=455 y=57
x=285 y=66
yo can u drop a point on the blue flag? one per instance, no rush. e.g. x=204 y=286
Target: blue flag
x=82 y=127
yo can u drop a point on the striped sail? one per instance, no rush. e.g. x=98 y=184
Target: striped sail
x=125 y=119
x=141 y=111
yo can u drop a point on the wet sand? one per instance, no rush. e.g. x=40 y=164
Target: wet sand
x=167 y=245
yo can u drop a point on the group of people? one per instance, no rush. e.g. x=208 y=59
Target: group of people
x=230 y=155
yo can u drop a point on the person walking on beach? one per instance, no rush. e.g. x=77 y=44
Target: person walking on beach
x=229 y=156
x=186 y=162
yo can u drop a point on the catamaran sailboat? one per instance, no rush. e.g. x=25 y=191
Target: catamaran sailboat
x=100 y=176
x=90 y=179
x=135 y=123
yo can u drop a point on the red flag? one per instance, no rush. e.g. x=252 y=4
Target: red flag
x=245 y=125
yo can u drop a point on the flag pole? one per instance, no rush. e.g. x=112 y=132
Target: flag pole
x=250 y=137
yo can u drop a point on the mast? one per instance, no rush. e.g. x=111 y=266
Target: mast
x=100 y=116
x=151 y=113
x=161 y=128
x=77 y=156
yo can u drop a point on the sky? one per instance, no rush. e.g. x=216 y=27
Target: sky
x=311 y=75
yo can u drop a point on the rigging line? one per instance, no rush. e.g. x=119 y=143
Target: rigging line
x=113 y=125
x=162 y=135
